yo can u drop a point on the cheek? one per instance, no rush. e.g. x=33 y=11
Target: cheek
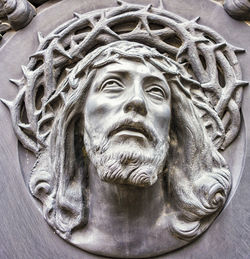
x=162 y=120
x=98 y=114
x=94 y=118
x=95 y=109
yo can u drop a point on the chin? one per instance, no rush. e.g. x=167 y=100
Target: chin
x=127 y=163
x=129 y=168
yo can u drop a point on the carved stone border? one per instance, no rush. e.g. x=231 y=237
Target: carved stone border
x=16 y=14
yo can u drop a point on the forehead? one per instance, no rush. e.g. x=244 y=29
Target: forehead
x=125 y=66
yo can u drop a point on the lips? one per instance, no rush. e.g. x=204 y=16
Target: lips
x=132 y=128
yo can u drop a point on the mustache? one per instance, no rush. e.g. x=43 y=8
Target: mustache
x=138 y=126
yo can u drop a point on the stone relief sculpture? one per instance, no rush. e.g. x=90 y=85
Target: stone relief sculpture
x=15 y=14
x=126 y=110
x=238 y=9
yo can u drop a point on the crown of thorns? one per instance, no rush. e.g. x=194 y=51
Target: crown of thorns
x=206 y=56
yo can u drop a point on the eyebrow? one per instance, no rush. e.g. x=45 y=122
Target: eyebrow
x=119 y=72
x=125 y=72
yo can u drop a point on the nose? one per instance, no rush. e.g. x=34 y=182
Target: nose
x=136 y=103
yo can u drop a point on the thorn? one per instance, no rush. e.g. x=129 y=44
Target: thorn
x=191 y=81
x=239 y=83
x=37 y=113
x=138 y=27
x=68 y=70
x=73 y=44
x=17 y=83
x=25 y=126
x=25 y=70
x=40 y=141
x=148 y=7
x=208 y=85
x=167 y=70
x=76 y=15
x=184 y=63
x=196 y=19
x=146 y=27
x=49 y=108
x=38 y=54
x=43 y=137
x=92 y=21
x=161 y=5
x=218 y=134
x=220 y=46
x=208 y=124
x=62 y=51
x=63 y=96
x=222 y=147
x=40 y=37
x=120 y=2
x=201 y=40
x=182 y=50
x=103 y=15
x=237 y=50
x=46 y=118
x=80 y=56
x=182 y=60
x=55 y=36
x=108 y=30
x=7 y=103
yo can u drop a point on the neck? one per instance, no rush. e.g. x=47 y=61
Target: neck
x=128 y=209
x=125 y=221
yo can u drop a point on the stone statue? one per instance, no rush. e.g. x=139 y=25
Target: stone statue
x=127 y=130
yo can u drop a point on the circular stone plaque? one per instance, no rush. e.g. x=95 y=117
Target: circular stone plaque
x=102 y=199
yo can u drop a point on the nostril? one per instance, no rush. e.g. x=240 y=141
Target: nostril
x=137 y=105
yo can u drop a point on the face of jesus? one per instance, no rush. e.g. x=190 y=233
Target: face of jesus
x=126 y=122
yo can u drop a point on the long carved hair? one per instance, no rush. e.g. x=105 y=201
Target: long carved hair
x=197 y=175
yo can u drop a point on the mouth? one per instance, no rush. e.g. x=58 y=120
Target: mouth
x=134 y=129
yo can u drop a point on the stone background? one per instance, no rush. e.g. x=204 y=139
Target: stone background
x=23 y=231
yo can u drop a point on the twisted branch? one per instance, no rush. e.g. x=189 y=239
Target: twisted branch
x=184 y=41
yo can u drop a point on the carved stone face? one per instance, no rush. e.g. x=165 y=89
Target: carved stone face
x=127 y=115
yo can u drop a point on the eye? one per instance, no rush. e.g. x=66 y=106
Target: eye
x=111 y=86
x=156 y=92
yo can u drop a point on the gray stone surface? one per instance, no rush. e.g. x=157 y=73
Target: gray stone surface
x=24 y=232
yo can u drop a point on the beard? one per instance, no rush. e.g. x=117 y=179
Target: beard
x=126 y=163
